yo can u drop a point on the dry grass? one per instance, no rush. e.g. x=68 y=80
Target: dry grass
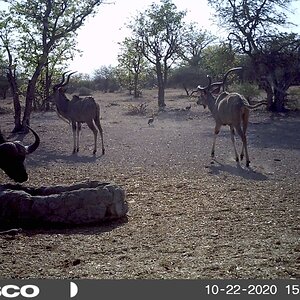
x=189 y=217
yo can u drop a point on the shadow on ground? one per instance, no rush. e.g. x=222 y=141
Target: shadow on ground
x=216 y=168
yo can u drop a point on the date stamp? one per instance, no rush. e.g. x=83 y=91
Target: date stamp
x=252 y=289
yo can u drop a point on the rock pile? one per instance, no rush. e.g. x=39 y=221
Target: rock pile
x=78 y=204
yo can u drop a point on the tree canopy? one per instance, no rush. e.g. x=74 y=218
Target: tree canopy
x=37 y=39
x=41 y=28
x=132 y=65
x=255 y=28
x=158 y=29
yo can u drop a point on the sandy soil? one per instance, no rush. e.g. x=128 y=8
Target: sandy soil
x=189 y=217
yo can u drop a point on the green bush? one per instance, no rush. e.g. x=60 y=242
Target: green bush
x=248 y=90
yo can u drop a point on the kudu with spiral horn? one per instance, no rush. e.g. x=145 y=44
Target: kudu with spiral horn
x=230 y=109
x=77 y=111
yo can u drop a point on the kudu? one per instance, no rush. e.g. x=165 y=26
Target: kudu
x=227 y=109
x=13 y=154
x=77 y=111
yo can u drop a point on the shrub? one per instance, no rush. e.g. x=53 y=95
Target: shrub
x=248 y=90
x=140 y=109
x=84 y=91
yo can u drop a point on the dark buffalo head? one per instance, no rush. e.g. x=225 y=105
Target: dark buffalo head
x=12 y=156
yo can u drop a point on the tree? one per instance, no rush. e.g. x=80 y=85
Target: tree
x=131 y=65
x=187 y=77
x=279 y=65
x=214 y=60
x=159 y=30
x=57 y=62
x=41 y=27
x=218 y=59
x=4 y=84
x=253 y=30
x=194 y=42
x=7 y=42
x=105 y=79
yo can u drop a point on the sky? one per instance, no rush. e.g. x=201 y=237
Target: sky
x=98 y=39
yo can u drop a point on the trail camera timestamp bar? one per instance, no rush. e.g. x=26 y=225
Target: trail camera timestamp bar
x=84 y=289
x=252 y=289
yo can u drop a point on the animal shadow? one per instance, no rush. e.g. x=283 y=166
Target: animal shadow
x=216 y=168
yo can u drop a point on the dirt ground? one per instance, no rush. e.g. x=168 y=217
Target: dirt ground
x=189 y=216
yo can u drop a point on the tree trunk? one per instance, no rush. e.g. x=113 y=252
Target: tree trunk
x=16 y=100
x=270 y=105
x=279 y=99
x=265 y=84
x=161 y=96
x=161 y=86
x=28 y=104
x=46 y=102
x=275 y=96
x=136 y=89
x=30 y=94
x=17 y=116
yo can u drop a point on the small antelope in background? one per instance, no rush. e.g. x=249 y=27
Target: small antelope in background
x=78 y=111
x=230 y=109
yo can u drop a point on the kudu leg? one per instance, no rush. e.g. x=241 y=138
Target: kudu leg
x=245 y=120
x=78 y=134
x=76 y=127
x=233 y=143
x=97 y=122
x=242 y=134
x=217 y=130
x=95 y=132
x=246 y=150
